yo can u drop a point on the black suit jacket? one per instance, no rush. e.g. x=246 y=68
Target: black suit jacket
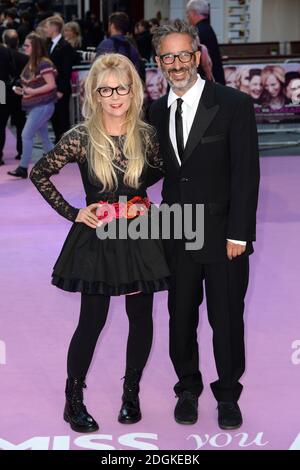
x=12 y=62
x=5 y=64
x=18 y=62
x=220 y=167
x=208 y=38
x=63 y=57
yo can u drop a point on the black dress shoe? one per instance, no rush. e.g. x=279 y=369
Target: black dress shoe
x=186 y=410
x=19 y=172
x=229 y=415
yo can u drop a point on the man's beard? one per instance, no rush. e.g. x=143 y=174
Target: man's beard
x=181 y=84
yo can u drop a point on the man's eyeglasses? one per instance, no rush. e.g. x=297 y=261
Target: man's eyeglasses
x=184 y=57
x=107 y=91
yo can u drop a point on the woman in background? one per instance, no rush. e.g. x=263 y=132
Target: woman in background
x=38 y=91
x=72 y=34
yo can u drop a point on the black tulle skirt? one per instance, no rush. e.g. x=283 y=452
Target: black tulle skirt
x=91 y=265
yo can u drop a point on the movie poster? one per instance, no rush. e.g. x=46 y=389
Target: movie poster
x=274 y=88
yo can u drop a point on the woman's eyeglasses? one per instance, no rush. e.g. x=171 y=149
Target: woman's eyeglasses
x=184 y=57
x=107 y=91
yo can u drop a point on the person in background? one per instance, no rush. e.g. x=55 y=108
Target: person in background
x=62 y=55
x=40 y=29
x=12 y=19
x=143 y=39
x=72 y=34
x=117 y=154
x=92 y=30
x=118 y=27
x=205 y=68
x=44 y=11
x=153 y=24
x=16 y=62
x=38 y=93
x=198 y=15
x=25 y=27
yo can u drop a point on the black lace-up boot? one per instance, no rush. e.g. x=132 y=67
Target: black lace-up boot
x=75 y=411
x=130 y=411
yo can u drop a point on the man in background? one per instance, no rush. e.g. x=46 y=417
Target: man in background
x=197 y=12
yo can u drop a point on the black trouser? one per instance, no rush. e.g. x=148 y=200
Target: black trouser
x=225 y=289
x=61 y=117
x=93 y=314
x=18 y=118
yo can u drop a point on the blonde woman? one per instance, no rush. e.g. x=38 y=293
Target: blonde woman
x=72 y=34
x=118 y=156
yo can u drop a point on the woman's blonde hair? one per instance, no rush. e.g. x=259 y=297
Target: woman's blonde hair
x=75 y=28
x=102 y=149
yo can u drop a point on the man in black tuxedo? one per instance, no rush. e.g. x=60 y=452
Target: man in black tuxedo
x=62 y=55
x=208 y=140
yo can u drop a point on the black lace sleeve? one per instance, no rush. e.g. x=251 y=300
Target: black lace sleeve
x=71 y=148
x=155 y=165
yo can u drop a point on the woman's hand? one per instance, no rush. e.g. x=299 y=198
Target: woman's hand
x=87 y=215
x=29 y=91
x=18 y=90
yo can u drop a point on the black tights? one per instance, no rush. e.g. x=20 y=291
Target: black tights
x=93 y=314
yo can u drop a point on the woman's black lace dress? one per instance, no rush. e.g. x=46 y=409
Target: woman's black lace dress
x=87 y=263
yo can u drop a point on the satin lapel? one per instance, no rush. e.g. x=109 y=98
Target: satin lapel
x=205 y=114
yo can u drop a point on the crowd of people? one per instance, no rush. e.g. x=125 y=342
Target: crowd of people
x=34 y=37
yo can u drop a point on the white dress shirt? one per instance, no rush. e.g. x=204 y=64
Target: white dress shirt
x=55 y=41
x=189 y=108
